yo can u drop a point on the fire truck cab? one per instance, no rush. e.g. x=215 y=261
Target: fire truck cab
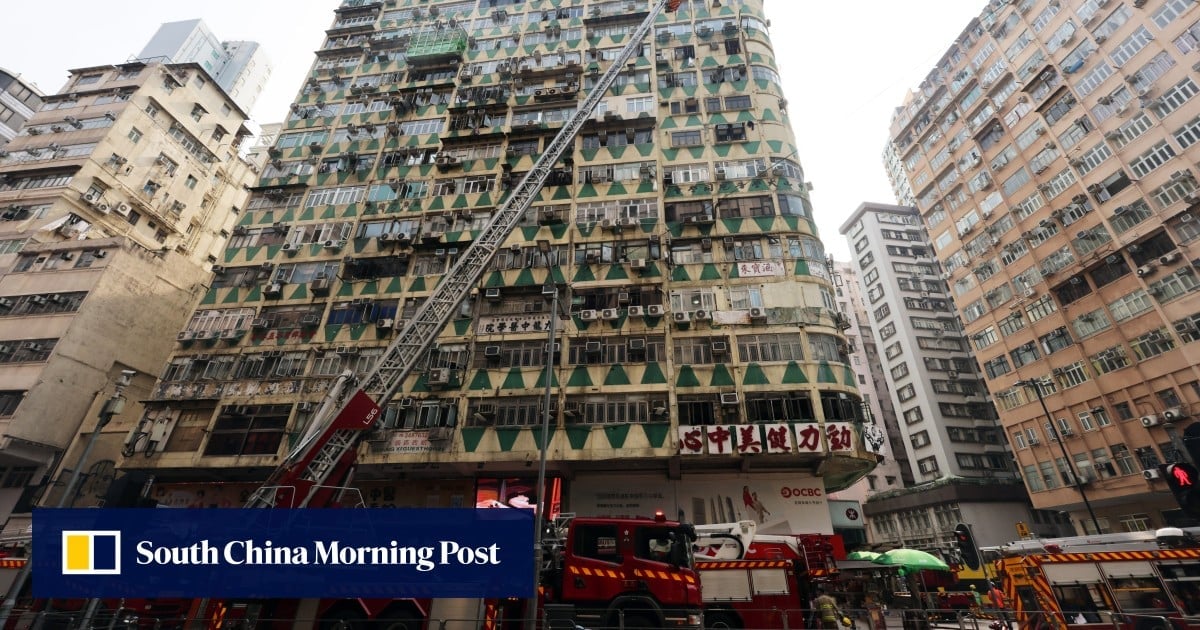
x=1131 y=581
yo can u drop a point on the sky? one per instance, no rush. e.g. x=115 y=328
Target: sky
x=845 y=67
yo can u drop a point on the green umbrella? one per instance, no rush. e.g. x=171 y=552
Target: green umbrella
x=911 y=559
x=862 y=555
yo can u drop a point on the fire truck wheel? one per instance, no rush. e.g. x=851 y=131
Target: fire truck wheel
x=399 y=620
x=717 y=620
x=343 y=619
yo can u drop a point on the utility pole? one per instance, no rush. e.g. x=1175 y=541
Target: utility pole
x=1036 y=384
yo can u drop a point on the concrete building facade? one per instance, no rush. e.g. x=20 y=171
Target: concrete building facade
x=1052 y=153
x=116 y=197
x=18 y=100
x=241 y=68
x=700 y=365
x=958 y=464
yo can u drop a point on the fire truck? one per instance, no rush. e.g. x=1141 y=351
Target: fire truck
x=753 y=580
x=1129 y=581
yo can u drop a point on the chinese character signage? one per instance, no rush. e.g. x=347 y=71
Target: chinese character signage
x=759 y=269
x=752 y=439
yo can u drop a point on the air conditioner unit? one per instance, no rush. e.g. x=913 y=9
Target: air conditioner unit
x=758 y=312
x=592 y=347
x=589 y=315
x=637 y=263
x=609 y=314
x=438 y=376
x=607 y=224
x=1168 y=258
x=702 y=316
x=184 y=335
x=438 y=435
x=274 y=289
x=1150 y=474
x=1173 y=414
x=385 y=323
x=719 y=347
x=636 y=311
x=491 y=351
x=1145 y=270
x=682 y=317
x=319 y=286
x=492 y=294
x=1151 y=420
x=332 y=244
x=729 y=399
x=655 y=310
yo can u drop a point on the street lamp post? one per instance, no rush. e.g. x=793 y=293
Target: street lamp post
x=112 y=407
x=549 y=290
x=1036 y=384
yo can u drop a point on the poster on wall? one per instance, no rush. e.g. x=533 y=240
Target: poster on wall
x=518 y=492
x=779 y=503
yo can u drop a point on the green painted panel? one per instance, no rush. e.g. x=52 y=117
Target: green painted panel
x=583 y=273
x=765 y=224
x=733 y=226
x=494 y=281
x=755 y=375
x=680 y=274
x=507 y=437
x=577 y=436
x=540 y=440
x=616 y=272
x=653 y=375
x=696 y=152
x=301 y=292
x=514 y=380
x=848 y=377
x=687 y=377
x=825 y=373
x=579 y=377
x=617 y=435
x=471 y=438
x=710 y=272
x=588 y=190
x=802 y=268
x=616 y=376
x=482 y=381
x=617 y=188
x=210 y=297
x=233 y=296
x=794 y=374
x=721 y=376
x=395 y=286
x=461 y=326
x=656 y=434
x=331 y=332
x=370 y=288
x=541 y=380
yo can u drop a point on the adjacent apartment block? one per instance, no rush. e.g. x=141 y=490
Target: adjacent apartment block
x=700 y=365
x=115 y=198
x=1052 y=152
x=18 y=100
x=241 y=68
x=959 y=467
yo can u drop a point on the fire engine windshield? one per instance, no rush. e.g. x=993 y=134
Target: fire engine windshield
x=669 y=545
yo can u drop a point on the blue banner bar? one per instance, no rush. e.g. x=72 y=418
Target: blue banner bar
x=279 y=553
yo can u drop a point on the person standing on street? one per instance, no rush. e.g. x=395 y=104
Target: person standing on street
x=827 y=610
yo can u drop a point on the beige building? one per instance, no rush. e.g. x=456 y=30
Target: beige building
x=700 y=358
x=117 y=196
x=1052 y=154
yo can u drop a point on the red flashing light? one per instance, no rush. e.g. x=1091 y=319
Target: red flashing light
x=659 y=517
x=672 y=5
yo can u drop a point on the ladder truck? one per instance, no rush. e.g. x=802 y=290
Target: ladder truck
x=320 y=466
x=754 y=580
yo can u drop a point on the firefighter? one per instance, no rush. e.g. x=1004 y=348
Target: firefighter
x=827 y=610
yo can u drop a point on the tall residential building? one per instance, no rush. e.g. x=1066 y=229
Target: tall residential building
x=116 y=197
x=241 y=68
x=897 y=177
x=701 y=366
x=1053 y=153
x=954 y=445
x=18 y=101
x=891 y=473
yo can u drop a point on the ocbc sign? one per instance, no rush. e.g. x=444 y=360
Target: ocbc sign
x=799 y=492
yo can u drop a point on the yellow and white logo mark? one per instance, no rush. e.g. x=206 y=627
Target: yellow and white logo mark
x=91 y=552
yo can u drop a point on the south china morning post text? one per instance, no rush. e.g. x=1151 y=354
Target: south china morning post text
x=265 y=553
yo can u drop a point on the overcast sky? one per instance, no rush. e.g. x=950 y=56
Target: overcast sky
x=845 y=67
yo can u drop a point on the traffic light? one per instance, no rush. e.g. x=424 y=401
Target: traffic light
x=966 y=545
x=1184 y=482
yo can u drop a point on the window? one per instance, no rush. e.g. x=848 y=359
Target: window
x=248 y=430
